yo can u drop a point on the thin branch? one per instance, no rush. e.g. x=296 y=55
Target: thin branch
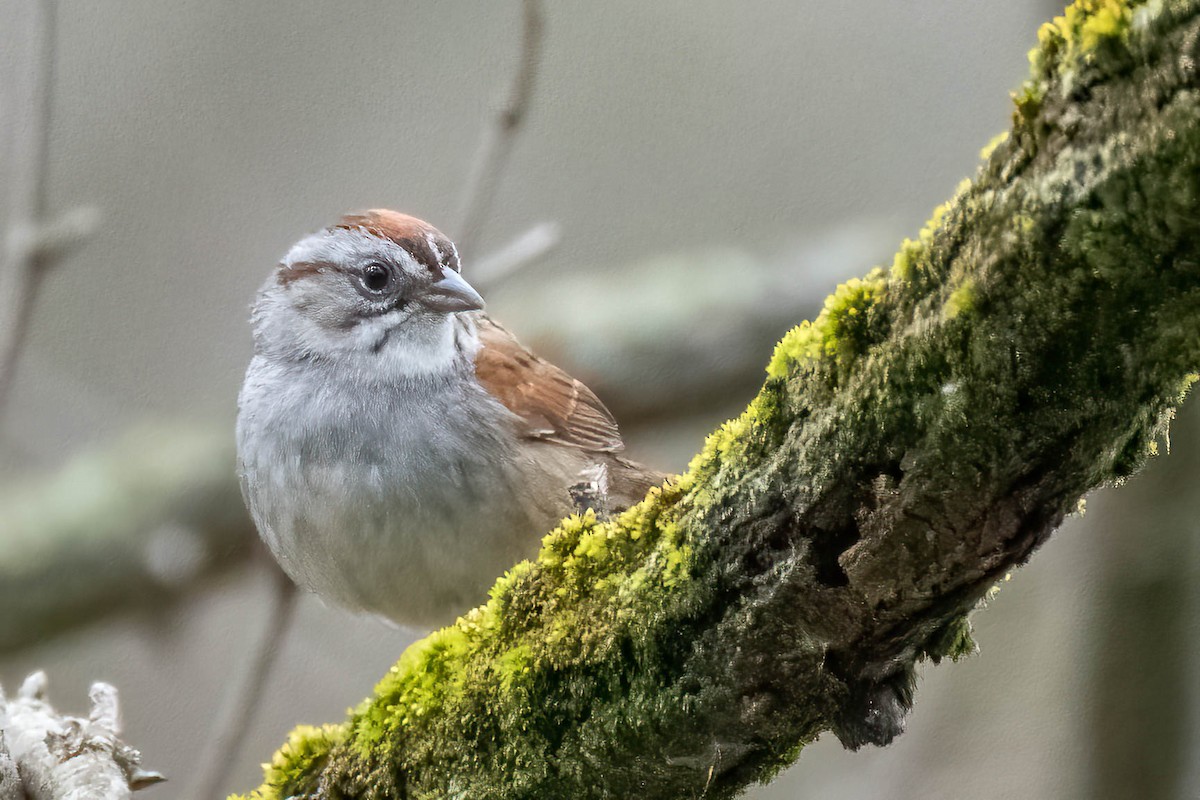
x=496 y=142
x=31 y=247
x=22 y=268
x=242 y=699
x=526 y=250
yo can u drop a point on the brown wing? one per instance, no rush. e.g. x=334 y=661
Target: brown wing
x=553 y=405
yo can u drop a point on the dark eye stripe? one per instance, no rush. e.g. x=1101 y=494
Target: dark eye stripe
x=300 y=269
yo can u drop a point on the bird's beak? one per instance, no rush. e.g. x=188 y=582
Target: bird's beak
x=452 y=293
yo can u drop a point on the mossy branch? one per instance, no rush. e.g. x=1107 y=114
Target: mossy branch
x=924 y=435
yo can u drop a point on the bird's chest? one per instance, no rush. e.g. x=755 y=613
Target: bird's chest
x=361 y=491
x=406 y=455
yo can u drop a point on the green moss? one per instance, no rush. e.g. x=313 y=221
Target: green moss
x=1028 y=101
x=953 y=641
x=1066 y=45
x=1186 y=387
x=914 y=253
x=960 y=301
x=513 y=665
x=297 y=763
x=1073 y=39
x=1084 y=26
x=992 y=145
x=839 y=332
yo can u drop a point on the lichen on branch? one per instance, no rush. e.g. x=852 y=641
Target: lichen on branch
x=917 y=440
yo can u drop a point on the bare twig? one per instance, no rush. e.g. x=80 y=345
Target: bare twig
x=31 y=248
x=495 y=144
x=230 y=728
x=527 y=249
x=20 y=270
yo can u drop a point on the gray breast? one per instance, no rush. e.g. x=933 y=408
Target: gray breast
x=390 y=498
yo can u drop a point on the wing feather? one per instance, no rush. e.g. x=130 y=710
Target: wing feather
x=553 y=405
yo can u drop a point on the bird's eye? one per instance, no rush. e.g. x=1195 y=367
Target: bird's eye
x=376 y=277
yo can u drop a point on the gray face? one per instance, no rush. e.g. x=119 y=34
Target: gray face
x=342 y=278
x=348 y=292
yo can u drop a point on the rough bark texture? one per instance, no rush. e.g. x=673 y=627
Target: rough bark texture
x=45 y=755
x=923 y=436
x=132 y=526
x=10 y=780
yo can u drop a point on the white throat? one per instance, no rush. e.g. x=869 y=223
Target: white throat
x=417 y=351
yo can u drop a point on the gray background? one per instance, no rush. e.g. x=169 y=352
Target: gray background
x=213 y=134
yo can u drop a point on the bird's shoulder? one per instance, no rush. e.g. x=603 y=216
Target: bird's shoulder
x=551 y=404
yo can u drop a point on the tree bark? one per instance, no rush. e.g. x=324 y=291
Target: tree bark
x=918 y=440
x=47 y=755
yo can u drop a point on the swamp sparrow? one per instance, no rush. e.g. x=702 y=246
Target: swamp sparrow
x=398 y=449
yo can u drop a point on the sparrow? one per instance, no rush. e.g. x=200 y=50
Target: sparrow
x=397 y=448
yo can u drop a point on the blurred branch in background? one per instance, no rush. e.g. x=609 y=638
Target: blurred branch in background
x=245 y=687
x=31 y=245
x=526 y=250
x=497 y=139
x=1137 y=670
x=137 y=524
